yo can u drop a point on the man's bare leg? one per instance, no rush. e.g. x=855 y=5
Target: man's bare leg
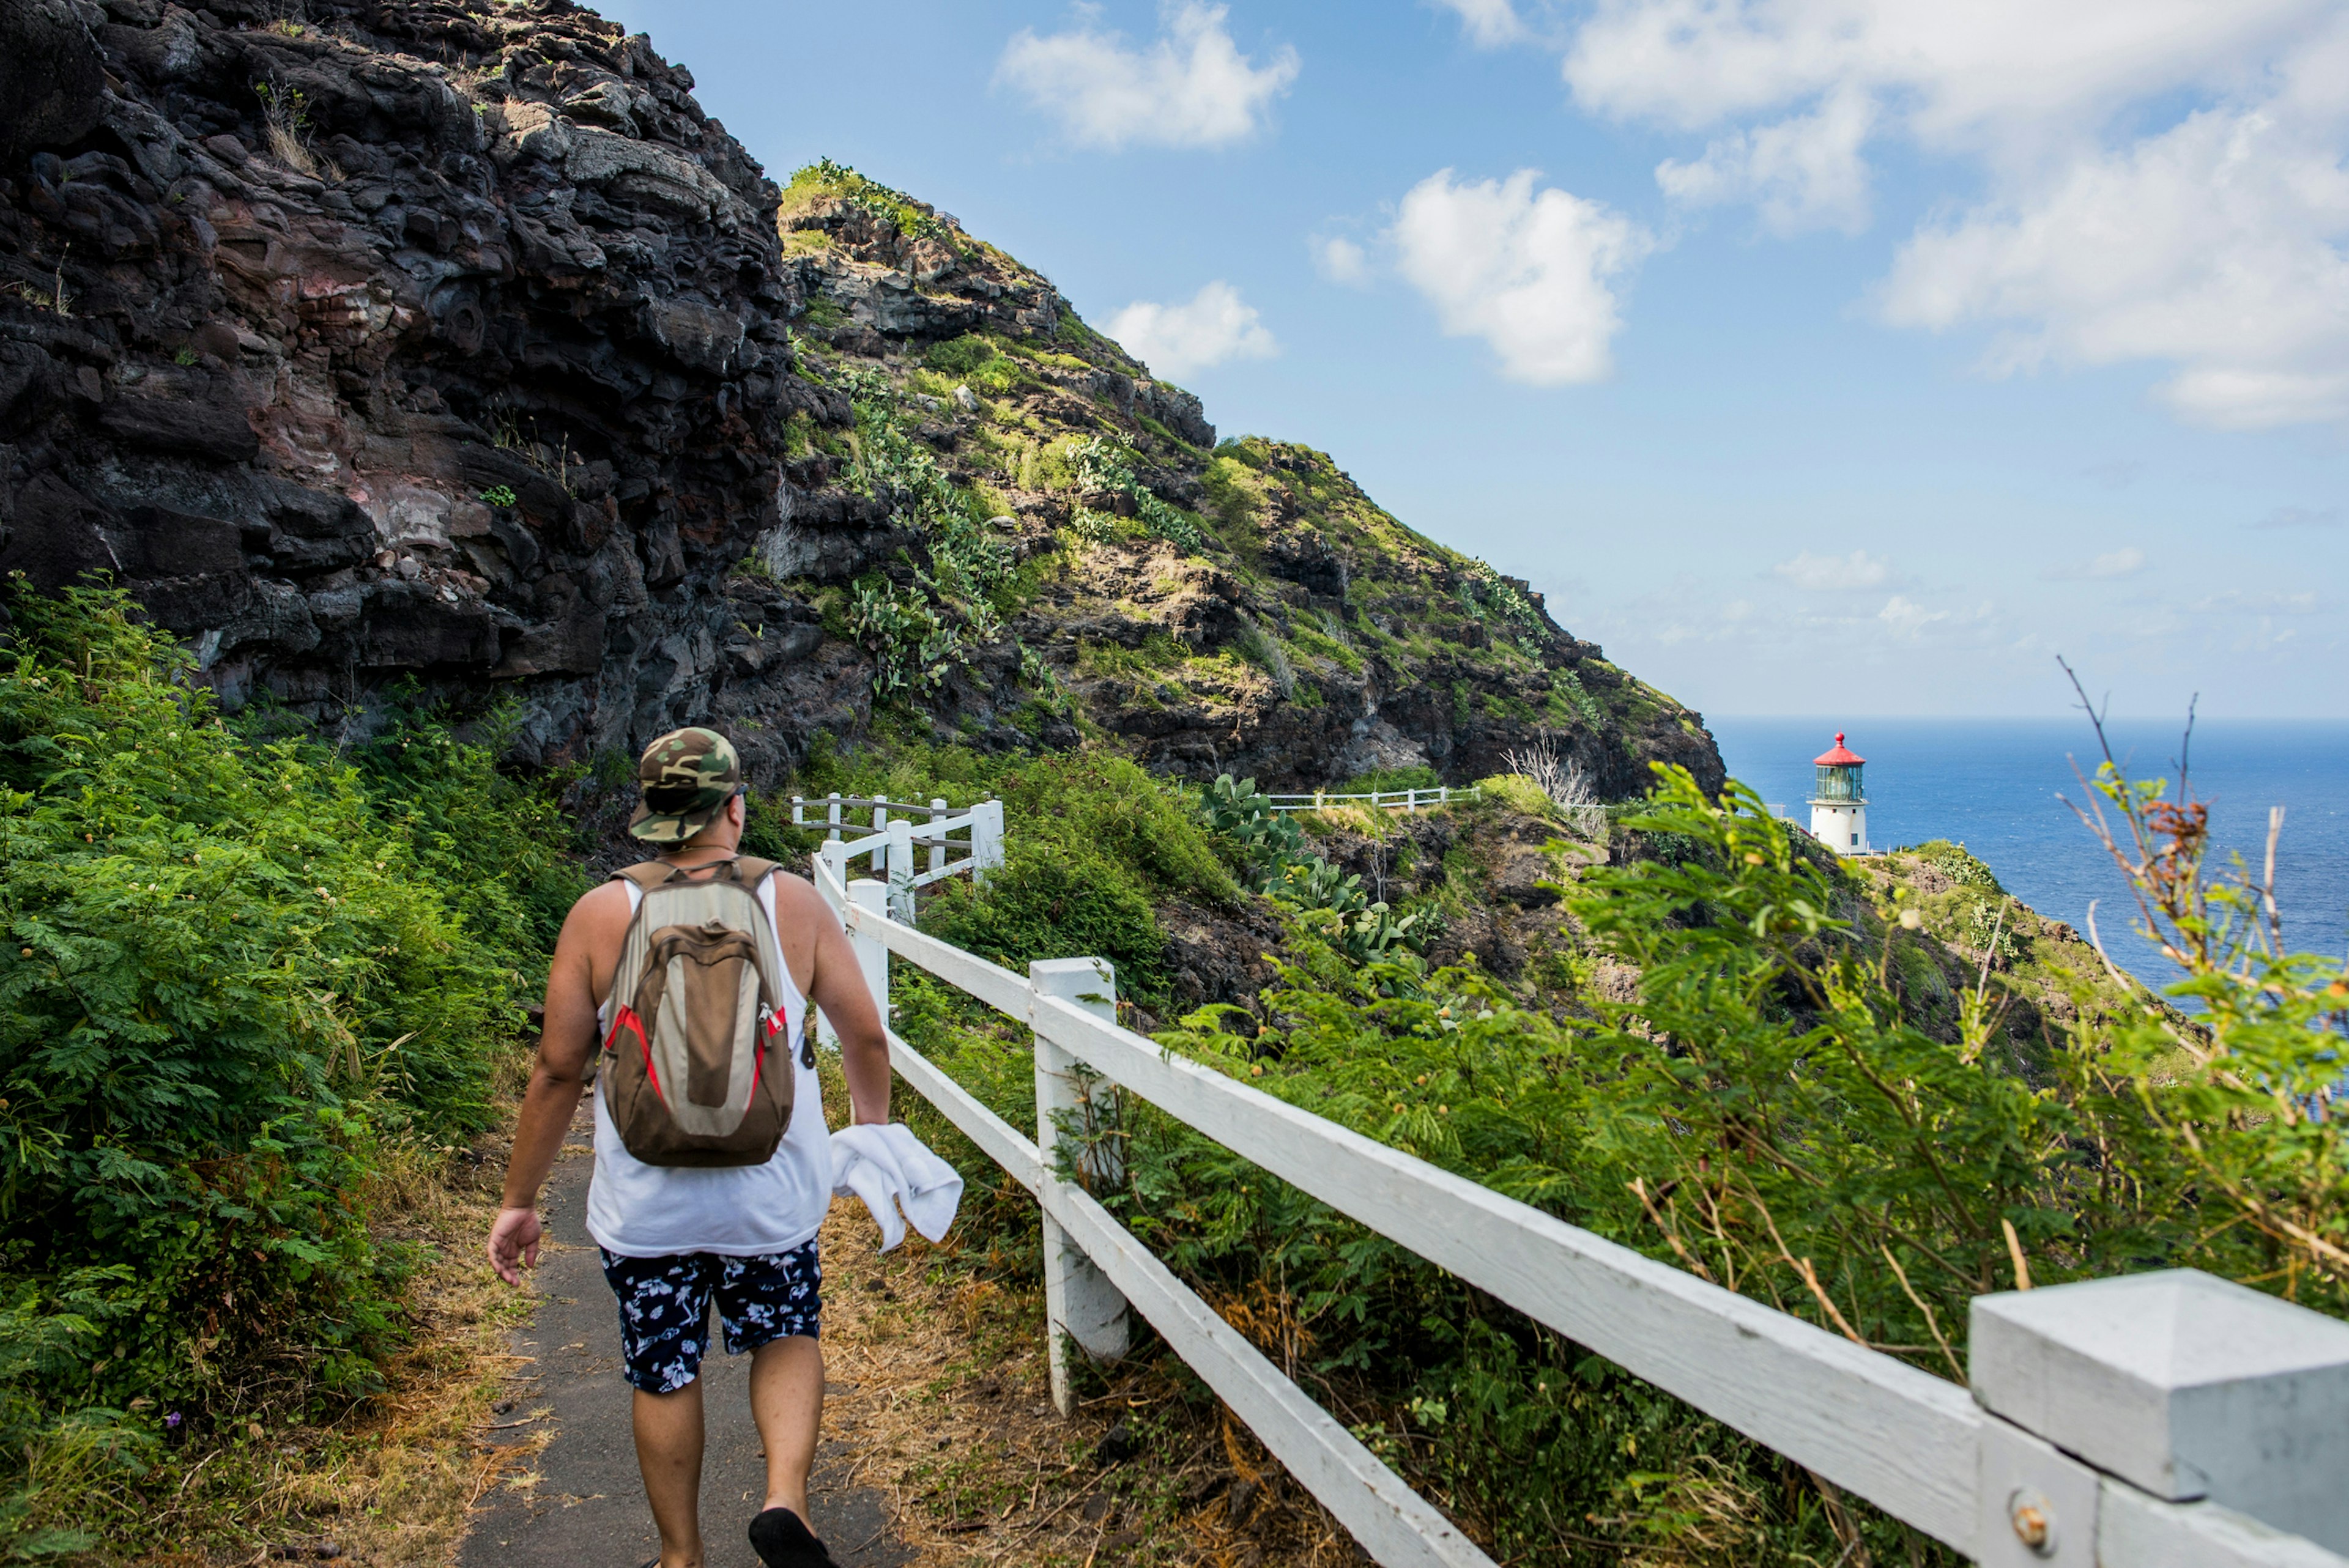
x=787 y=1401
x=669 y=1451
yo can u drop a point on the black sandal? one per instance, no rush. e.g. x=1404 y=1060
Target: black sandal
x=782 y=1540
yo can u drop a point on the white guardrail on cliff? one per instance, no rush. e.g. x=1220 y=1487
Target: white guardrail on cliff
x=2159 y=1420
x=890 y=839
x=1410 y=801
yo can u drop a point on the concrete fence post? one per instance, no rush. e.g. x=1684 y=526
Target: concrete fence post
x=1080 y=1304
x=872 y=953
x=901 y=869
x=2110 y=1398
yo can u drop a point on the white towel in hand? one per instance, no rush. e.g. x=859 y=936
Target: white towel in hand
x=889 y=1168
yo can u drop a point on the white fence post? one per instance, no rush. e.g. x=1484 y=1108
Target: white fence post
x=986 y=840
x=831 y=816
x=1080 y=1304
x=937 y=839
x=901 y=872
x=833 y=853
x=881 y=825
x=872 y=953
x=2174 y=1384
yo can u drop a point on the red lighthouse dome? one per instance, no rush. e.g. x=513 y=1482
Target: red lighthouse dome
x=1840 y=756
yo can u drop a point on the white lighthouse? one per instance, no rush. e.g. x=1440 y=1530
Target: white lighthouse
x=1838 y=810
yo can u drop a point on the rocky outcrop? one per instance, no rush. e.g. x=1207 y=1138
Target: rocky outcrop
x=402 y=341
x=370 y=341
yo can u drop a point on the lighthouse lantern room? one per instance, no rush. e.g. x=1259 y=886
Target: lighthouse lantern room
x=1838 y=809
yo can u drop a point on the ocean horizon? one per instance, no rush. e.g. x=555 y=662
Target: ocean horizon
x=2000 y=786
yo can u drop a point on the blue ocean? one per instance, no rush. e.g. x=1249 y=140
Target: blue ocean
x=1994 y=785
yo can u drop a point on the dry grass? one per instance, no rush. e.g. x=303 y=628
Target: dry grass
x=943 y=1394
x=411 y=1470
x=936 y=1355
x=389 y=1483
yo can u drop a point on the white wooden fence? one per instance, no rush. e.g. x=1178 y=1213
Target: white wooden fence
x=1412 y=801
x=892 y=835
x=2160 y=1421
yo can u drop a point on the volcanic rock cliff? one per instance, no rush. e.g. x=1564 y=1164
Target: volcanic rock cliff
x=374 y=340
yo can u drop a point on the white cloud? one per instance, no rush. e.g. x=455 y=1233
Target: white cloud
x=2163 y=180
x=2301 y=517
x=1532 y=273
x=1489 y=23
x=1823 y=573
x=2216 y=245
x=1342 y=261
x=1803 y=172
x=1191 y=87
x=2238 y=601
x=2126 y=561
x=1213 y=326
x=1904 y=617
x=1976 y=75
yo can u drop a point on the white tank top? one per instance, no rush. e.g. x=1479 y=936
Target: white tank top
x=641 y=1210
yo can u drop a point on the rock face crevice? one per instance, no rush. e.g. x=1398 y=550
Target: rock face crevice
x=370 y=341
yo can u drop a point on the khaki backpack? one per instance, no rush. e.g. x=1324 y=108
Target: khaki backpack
x=699 y=1069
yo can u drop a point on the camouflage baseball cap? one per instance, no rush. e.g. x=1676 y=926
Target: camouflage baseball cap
x=687 y=776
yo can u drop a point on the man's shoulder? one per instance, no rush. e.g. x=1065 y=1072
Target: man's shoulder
x=792 y=888
x=605 y=901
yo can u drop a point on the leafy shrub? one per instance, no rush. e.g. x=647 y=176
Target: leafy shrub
x=914 y=647
x=959 y=355
x=1952 y=862
x=913 y=219
x=921 y=633
x=1270 y=847
x=1045 y=903
x=1382 y=781
x=233 y=970
x=1502 y=605
x=1094 y=845
x=1106 y=463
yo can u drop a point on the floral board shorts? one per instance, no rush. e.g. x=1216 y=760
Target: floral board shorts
x=665 y=1308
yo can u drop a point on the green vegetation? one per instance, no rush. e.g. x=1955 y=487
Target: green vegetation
x=1813 y=1100
x=1106 y=463
x=240 y=974
x=920 y=633
x=1097 y=847
x=825 y=177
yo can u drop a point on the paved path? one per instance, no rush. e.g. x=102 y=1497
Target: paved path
x=586 y=1508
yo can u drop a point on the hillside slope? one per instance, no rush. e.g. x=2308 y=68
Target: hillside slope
x=377 y=339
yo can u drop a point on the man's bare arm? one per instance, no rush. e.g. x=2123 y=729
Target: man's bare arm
x=838 y=987
x=566 y=1043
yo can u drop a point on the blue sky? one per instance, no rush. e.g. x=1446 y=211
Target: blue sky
x=1834 y=357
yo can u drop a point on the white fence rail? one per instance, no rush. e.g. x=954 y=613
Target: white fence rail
x=2147 y=1421
x=890 y=842
x=1410 y=801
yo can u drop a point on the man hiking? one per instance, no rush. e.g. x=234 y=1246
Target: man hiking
x=691 y=975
